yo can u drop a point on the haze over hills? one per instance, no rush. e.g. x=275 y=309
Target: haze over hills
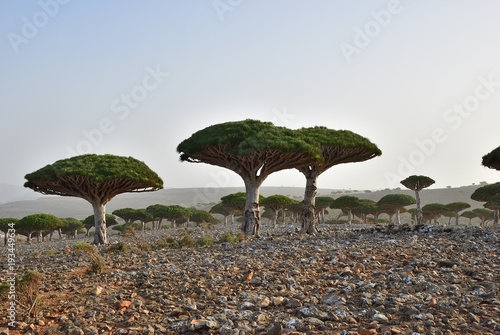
x=19 y=202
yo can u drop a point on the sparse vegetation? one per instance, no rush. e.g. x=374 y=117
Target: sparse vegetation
x=97 y=264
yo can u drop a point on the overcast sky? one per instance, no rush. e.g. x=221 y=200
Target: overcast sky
x=421 y=79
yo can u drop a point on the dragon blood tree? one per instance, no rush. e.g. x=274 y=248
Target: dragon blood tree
x=252 y=149
x=337 y=147
x=417 y=184
x=97 y=179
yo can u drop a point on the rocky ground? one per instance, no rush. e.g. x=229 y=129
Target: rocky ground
x=343 y=281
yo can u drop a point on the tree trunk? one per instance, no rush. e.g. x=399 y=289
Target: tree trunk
x=252 y=213
x=88 y=231
x=308 y=215
x=456 y=218
x=322 y=216
x=39 y=236
x=28 y=238
x=225 y=220
x=419 y=209
x=60 y=233
x=275 y=219
x=397 y=221
x=349 y=217
x=75 y=233
x=375 y=218
x=495 y=216
x=101 y=231
x=5 y=238
x=283 y=215
x=232 y=219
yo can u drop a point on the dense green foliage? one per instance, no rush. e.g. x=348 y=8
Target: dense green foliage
x=200 y=216
x=417 y=183
x=97 y=169
x=323 y=202
x=485 y=193
x=457 y=206
x=38 y=222
x=324 y=138
x=71 y=224
x=4 y=223
x=492 y=159
x=129 y=215
x=347 y=202
x=396 y=201
x=435 y=209
x=276 y=200
x=241 y=138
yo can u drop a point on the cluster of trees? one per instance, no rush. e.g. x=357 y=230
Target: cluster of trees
x=251 y=148
x=46 y=224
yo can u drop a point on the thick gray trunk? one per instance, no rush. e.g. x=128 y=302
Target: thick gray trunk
x=397 y=216
x=252 y=213
x=275 y=218
x=419 y=209
x=308 y=216
x=322 y=216
x=456 y=218
x=101 y=231
x=349 y=217
x=495 y=216
x=225 y=220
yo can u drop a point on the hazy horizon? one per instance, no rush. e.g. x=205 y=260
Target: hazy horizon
x=419 y=79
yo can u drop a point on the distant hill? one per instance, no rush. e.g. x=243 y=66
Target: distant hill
x=203 y=198
x=9 y=193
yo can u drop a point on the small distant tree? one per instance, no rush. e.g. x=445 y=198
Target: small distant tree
x=236 y=202
x=322 y=203
x=128 y=215
x=435 y=210
x=494 y=204
x=71 y=226
x=295 y=209
x=456 y=207
x=484 y=215
x=347 y=203
x=396 y=202
x=485 y=194
x=144 y=217
x=38 y=223
x=97 y=179
x=469 y=215
x=200 y=216
x=6 y=224
x=492 y=159
x=417 y=184
x=176 y=212
x=276 y=203
x=366 y=208
x=224 y=211
x=157 y=213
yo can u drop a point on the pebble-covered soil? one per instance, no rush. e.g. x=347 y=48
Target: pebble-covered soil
x=345 y=280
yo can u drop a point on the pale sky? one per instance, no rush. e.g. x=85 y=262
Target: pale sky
x=421 y=79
